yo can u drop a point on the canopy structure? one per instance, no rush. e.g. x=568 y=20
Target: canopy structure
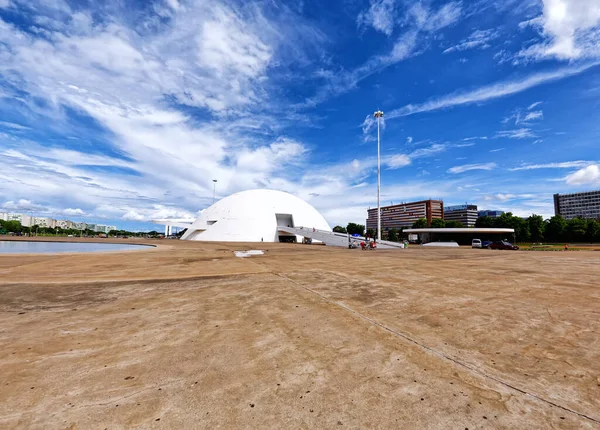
x=461 y=235
x=460 y=230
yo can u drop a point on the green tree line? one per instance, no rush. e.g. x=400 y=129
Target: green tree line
x=555 y=229
x=533 y=228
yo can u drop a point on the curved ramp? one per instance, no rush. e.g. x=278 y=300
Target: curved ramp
x=331 y=238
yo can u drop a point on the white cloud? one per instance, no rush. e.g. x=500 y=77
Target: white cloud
x=535 y=115
x=429 y=150
x=589 y=175
x=404 y=47
x=23 y=205
x=131 y=83
x=478 y=39
x=409 y=140
x=468 y=167
x=502 y=197
x=4 y=4
x=521 y=133
x=132 y=215
x=563 y=165
x=431 y=20
x=380 y=16
x=419 y=21
x=73 y=212
x=397 y=161
x=525 y=116
x=13 y=125
x=570 y=28
x=489 y=92
x=278 y=155
x=174 y=4
x=497 y=150
x=231 y=47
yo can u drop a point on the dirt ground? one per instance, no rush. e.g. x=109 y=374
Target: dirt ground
x=186 y=335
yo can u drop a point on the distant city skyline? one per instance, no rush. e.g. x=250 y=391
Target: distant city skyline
x=29 y=220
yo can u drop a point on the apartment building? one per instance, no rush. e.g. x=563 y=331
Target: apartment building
x=405 y=214
x=583 y=205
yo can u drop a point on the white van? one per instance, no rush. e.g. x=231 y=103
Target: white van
x=476 y=243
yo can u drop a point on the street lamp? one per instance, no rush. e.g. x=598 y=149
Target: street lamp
x=378 y=115
x=214 y=189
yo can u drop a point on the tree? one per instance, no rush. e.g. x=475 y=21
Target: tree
x=593 y=230
x=12 y=226
x=556 y=229
x=576 y=229
x=508 y=220
x=536 y=227
x=438 y=223
x=420 y=223
x=392 y=235
x=371 y=232
x=339 y=229
x=452 y=224
x=485 y=222
x=353 y=228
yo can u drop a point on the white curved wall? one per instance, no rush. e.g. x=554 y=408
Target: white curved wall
x=250 y=216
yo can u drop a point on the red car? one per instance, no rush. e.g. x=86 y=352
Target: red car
x=501 y=244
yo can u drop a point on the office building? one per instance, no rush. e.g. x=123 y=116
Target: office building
x=15 y=217
x=406 y=214
x=105 y=228
x=79 y=226
x=491 y=214
x=64 y=224
x=44 y=222
x=25 y=220
x=3 y=216
x=582 y=205
x=465 y=214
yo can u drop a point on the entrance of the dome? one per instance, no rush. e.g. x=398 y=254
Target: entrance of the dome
x=285 y=220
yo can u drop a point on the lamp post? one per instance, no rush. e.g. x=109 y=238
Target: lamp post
x=214 y=189
x=378 y=115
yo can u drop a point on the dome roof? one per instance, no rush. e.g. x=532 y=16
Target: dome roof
x=253 y=216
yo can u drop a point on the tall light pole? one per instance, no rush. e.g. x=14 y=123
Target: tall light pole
x=214 y=189
x=378 y=115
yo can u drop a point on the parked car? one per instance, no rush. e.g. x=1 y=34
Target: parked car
x=476 y=243
x=502 y=244
x=486 y=243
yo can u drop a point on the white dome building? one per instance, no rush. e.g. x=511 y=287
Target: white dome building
x=253 y=216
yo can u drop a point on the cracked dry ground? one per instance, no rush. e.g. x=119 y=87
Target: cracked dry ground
x=302 y=337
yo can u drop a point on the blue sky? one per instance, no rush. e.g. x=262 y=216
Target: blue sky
x=125 y=111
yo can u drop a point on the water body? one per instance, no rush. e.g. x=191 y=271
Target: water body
x=24 y=247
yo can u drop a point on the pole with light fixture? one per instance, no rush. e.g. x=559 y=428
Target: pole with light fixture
x=214 y=189
x=378 y=115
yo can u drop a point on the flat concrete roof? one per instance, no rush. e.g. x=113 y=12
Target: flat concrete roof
x=459 y=230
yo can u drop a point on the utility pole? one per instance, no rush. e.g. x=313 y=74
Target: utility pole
x=378 y=115
x=214 y=189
